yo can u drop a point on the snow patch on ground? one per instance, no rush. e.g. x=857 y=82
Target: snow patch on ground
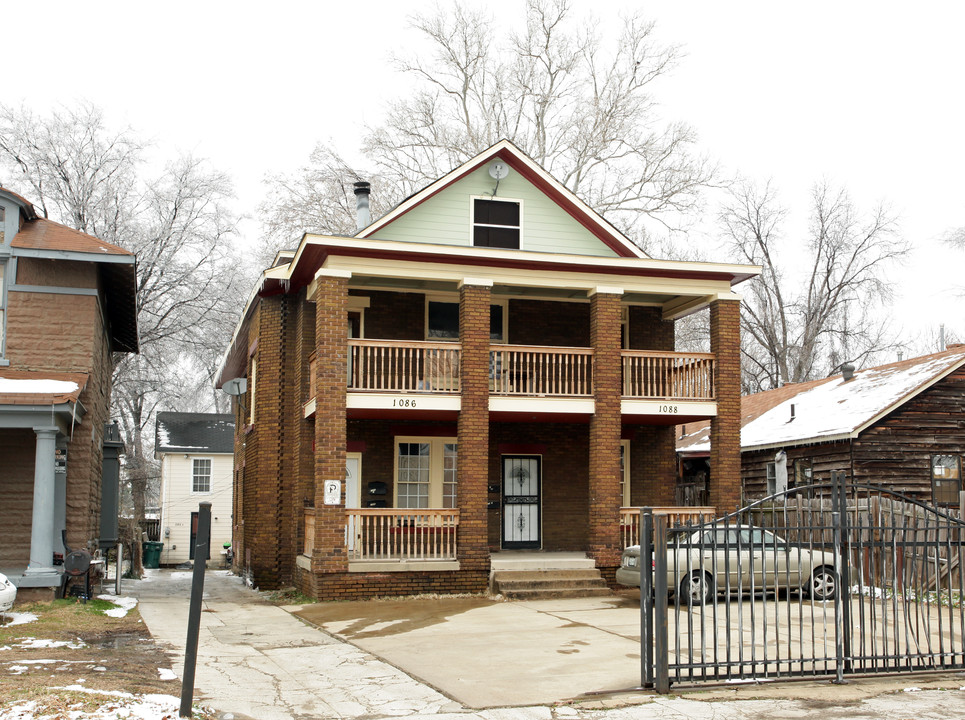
x=18 y=618
x=167 y=674
x=40 y=643
x=124 y=605
x=121 y=706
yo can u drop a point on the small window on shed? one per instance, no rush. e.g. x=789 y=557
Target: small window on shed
x=771 y=478
x=495 y=223
x=946 y=479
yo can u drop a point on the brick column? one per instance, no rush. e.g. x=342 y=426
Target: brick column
x=605 y=425
x=473 y=429
x=331 y=384
x=725 y=428
x=266 y=528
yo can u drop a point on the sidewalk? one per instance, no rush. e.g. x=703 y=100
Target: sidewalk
x=259 y=661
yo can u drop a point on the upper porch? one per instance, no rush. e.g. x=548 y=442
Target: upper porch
x=410 y=376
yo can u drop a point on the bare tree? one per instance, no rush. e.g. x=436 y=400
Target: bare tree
x=799 y=324
x=82 y=173
x=579 y=105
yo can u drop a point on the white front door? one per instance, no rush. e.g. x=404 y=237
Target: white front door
x=353 y=495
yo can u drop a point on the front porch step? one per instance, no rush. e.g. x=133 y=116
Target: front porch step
x=547 y=584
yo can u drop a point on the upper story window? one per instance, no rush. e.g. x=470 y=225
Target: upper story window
x=201 y=475
x=496 y=223
x=442 y=321
x=946 y=479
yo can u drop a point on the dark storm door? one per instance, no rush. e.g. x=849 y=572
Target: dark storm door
x=521 y=502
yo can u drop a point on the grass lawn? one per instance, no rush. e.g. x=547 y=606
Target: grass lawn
x=67 y=659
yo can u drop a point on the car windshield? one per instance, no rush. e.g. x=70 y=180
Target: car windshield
x=743 y=538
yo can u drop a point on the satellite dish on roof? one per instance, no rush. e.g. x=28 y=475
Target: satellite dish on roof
x=498 y=170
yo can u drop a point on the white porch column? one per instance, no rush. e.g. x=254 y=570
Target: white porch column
x=42 y=528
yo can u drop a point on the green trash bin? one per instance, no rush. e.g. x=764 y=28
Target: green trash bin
x=152 y=553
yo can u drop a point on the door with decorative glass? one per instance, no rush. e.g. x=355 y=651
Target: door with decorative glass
x=521 y=502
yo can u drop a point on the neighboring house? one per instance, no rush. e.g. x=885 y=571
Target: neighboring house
x=900 y=425
x=67 y=301
x=488 y=367
x=196 y=451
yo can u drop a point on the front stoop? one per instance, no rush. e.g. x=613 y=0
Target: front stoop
x=548 y=584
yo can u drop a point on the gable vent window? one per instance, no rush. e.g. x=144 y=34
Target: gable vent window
x=495 y=224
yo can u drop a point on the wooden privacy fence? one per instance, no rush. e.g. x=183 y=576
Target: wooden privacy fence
x=541 y=370
x=676 y=517
x=402 y=366
x=395 y=534
x=684 y=376
x=891 y=543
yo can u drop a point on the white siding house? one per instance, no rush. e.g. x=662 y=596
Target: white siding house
x=195 y=450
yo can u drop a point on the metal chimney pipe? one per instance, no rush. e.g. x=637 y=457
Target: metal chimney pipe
x=847 y=371
x=362 y=190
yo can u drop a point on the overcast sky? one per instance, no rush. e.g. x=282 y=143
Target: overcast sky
x=865 y=94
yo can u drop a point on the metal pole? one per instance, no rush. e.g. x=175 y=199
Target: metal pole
x=646 y=598
x=202 y=541
x=120 y=566
x=839 y=508
x=661 y=636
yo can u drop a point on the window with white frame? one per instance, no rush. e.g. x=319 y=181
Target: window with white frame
x=946 y=479
x=771 y=478
x=425 y=472
x=625 y=473
x=496 y=223
x=201 y=475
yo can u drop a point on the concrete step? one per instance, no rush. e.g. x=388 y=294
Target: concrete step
x=542 y=584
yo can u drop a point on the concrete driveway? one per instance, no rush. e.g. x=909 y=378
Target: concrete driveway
x=485 y=653
x=471 y=658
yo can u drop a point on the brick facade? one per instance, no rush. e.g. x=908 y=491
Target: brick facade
x=331 y=351
x=604 y=501
x=725 y=428
x=473 y=428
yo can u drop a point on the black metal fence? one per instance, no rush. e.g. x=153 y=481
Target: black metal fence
x=824 y=580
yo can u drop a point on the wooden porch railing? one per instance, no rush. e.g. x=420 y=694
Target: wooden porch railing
x=541 y=370
x=402 y=366
x=630 y=519
x=394 y=534
x=681 y=376
x=308 y=544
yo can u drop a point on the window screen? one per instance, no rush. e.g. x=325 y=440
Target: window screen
x=496 y=224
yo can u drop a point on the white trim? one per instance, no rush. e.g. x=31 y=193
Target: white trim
x=475 y=282
x=668 y=407
x=506 y=147
x=527 y=404
x=391 y=401
x=625 y=448
x=356 y=566
x=329 y=272
x=605 y=290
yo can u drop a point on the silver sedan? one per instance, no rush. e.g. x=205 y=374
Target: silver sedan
x=736 y=560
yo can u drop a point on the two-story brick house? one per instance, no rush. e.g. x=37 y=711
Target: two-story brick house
x=489 y=367
x=67 y=301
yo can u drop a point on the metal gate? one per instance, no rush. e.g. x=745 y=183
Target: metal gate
x=822 y=580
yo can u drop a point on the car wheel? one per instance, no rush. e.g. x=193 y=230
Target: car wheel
x=696 y=588
x=823 y=584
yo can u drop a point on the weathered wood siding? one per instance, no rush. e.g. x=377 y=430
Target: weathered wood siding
x=894 y=453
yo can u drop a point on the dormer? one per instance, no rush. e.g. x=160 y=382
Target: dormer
x=14 y=211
